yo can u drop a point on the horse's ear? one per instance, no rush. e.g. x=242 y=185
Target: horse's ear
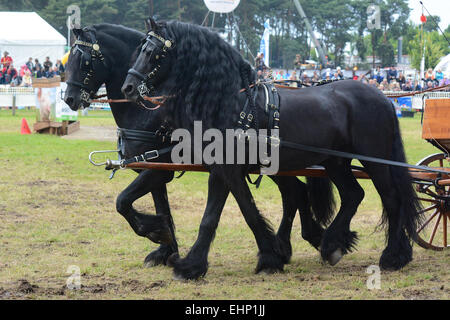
x=151 y=24
x=77 y=32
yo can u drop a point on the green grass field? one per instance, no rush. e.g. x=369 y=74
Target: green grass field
x=57 y=210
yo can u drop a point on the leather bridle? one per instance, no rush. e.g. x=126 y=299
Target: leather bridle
x=87 y=66
x=146 y=87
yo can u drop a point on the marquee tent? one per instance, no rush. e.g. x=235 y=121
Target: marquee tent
x=444 y=65
x=26 y=35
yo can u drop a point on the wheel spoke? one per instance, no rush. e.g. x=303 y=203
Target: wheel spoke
x=427 y=200
x=428 y=221
x=444 y=225
x=434 y=229
x=428 y=209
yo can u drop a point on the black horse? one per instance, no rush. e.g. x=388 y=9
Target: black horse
x=101 y=54
x=201 y=75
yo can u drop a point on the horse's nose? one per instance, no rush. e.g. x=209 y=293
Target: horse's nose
x=69 y=100
x=128 y=89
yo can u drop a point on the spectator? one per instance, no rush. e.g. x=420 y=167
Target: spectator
x=372 y=83
x=48 y=73
x=439 y=75
x=444 y=82
x=429 y=85
x=408 y=86
x=293 y=76
x=298 y=62
x=23 y=69
x=429 y=75
x=36 y=64
x=6 y=60
x=315 y=77
x=417 y=86
x=30 y=64
x=401 y=79
x=340 y=75
x=26 y=79
x=11 y=75
x=259 y=62
x=60 y=67
x=38 y=73
x=392 y=74
x=48 y=65
x=260 y=75
x=377 y=75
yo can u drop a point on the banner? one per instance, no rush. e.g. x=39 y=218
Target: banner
x=265 y=43
x=62 y=110
x=51 y=106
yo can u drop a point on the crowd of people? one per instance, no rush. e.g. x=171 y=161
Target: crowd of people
x=392 y=80
x=9 y=75
x=385 y=80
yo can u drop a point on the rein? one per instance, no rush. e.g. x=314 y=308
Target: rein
x=158 y=101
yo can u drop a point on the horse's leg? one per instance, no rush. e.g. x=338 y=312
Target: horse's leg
x=195 y=264
x=154 y=227
x=270 y=252
x=398 y=251
x=288 y=197
x=295 y=196
x=160 y=255
x=338 y=239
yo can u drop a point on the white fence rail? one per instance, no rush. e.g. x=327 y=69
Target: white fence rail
x=25 y=97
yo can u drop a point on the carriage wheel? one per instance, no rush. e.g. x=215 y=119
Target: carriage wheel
x=432 y=233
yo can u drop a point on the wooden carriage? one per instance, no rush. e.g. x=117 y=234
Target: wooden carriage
x=433 y=232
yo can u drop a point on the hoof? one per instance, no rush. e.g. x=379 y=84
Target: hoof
x=186 y=269
x=158 y=257
x=163 y=236
x=335 y=257
x=334 y=247
x=391 y=261
x=269 y=264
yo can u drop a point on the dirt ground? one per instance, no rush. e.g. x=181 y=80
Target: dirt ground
x=94 y=133
x=57 y=211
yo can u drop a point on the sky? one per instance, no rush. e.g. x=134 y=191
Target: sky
x=439 y=8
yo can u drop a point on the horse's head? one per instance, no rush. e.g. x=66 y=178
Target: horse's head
x=86 y=69
x=153 y=63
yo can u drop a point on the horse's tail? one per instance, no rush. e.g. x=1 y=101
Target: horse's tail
x=321 y=198
x=409 y=205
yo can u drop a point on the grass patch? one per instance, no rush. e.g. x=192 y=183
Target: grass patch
x=56 y=210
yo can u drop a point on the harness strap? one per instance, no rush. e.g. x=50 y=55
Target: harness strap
x=348 y=155
x=147 y=156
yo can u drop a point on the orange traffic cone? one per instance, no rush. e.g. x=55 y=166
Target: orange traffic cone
x=25 y=129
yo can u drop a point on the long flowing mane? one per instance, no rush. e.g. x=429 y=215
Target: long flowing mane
x=205 y=76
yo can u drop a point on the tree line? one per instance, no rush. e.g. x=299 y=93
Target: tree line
x=341 y=25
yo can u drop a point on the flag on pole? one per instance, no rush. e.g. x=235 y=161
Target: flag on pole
x=265 y=43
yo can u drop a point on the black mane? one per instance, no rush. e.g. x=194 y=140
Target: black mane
x=205 y=77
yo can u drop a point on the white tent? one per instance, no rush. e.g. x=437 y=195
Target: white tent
x=26 y=35
x=444 y=65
